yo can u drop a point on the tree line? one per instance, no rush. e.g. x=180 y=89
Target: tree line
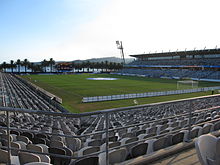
x=35 y=67
x=103 y=66
x=43 y=65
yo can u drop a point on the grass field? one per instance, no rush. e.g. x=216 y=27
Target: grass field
x=71 y=88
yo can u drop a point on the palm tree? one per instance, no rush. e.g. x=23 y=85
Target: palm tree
x=78 y=66
x=88 y=65
x=31 y=66
x=111 y=66
x=119 y=66
x=12 y=65
x=4 y=66
x=106 y=65
x=25 y=63
x=97 y=65
x=35 y=67
x=51 y=62
x=83 y=64
x=102 y=66
x=18 y=63
x=44 y=64
x=92 y=66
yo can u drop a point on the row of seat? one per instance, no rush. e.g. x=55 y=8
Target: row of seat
x=170 y=73
x=18 y=95
x=138 y=126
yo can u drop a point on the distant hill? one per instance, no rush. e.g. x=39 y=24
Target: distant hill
x=109 y=59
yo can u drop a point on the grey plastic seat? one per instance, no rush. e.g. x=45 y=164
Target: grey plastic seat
x=56 y=160
x=3 y=156
x=160 y=143
x=17 y=146
x=88 y=150
x=129 y=140
x=25 y=157
x=138 y=150
x=177 y=138
x=208 y=149
x=94 y=160
x=216 y=126
x=195 y=132
x=207 y=128
x=73 y=143
x=24 y=139
x=152 y=130
x=115 y=156
x=44 y=147
x=97 y=136
x=95 y=143
x=33 y=147
x=56 y=143
x=22 y=144
x=110 y=145
x=140 y=132
x=57 y=138
x=69 y=152
x=128 y=135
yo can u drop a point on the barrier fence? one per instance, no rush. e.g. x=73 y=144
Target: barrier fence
x=146 y=94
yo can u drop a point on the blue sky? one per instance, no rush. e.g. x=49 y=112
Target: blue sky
x=82 y=29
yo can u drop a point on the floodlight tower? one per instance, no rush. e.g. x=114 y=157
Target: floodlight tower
x=119 y=46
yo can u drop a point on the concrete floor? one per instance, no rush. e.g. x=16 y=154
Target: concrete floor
x=188 y=157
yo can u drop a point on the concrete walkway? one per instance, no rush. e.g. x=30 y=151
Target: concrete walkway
x=187 y=157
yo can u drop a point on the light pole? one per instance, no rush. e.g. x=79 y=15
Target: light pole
x=119 y=46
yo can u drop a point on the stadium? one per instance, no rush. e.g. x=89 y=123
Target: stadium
x=38 y=125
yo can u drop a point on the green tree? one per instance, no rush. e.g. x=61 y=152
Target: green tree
x=83 y=65
x=102 y=66
x=106 y=66
x=88 y=65
x=51 y=63
x=4 y=66
x=31 y=66
x=25 y=63
x=18 y=63
x=44 y=64
x=12 y=65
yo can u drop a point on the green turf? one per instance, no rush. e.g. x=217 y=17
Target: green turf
x=71 y=88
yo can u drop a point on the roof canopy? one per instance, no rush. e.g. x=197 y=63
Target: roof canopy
x=179 y=53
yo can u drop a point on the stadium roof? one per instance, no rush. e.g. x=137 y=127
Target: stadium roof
x=180 y=53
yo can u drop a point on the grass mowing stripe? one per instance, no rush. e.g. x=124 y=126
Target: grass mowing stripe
x=71 y=88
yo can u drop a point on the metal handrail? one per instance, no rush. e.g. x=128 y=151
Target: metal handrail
x=77 y=115
x=9 y=110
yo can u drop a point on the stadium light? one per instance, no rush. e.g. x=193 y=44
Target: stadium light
x=119 y=46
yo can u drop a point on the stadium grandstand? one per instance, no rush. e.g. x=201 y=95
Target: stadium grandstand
x=197 y=64
x=33 y=131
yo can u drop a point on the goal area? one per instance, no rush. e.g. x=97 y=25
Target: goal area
x=187 y=84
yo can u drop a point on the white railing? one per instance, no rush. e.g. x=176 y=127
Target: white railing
x=146 y=94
